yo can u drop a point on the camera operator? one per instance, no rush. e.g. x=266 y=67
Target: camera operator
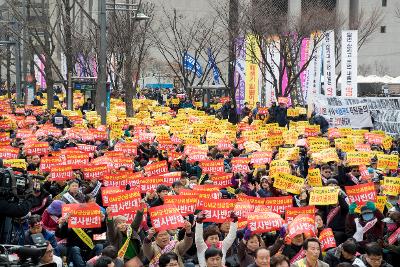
x=14 y=205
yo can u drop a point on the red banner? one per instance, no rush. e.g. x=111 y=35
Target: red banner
x=240 y=165
x=127 y=148
x=86 y=148
x=76 y=158
x=37 y=148
x=110 y=190
x=302 y=224
x=361 y=193
x=276 y=204
x=166 y=217
x=118 y=178
x=260 y=158
x=212 y=166
x=61 y=173
x=185 y=204
x=123 y=202
x=95 y=171
x=46 y=163
x=225 y=145
x=241 y=210
x=171 y=177
x=156 y=168
x=223 y=180
x=150 y=183
x=291 y=213
x=263 y=222
x=9 y=152
x=327 y=239
x=256 y=201
x=218 y=210
x=86 y=215
x=122 y=162
x=205 y=196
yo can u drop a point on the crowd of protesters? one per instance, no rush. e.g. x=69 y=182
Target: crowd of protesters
x=361 y=233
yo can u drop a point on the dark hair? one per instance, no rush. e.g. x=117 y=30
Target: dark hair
x=257 y=250
x=176 y=183
x=212 y=252
x=326 y=166
x=373 y=248
x=278 y=259
x=308 y=240
x=34 y=219
x=350 y=246
x=166 y=258
x=110 y=251
x=162 y=187
x=210 y=230
x=103 y=261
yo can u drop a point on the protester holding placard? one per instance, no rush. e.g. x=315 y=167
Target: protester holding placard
x=73 y=195
x=248 y=247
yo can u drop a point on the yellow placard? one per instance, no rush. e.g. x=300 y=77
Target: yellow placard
x=279 y=166
x=15 y=163
x=291 y=153
x=381 y=202
x=387 y=142
x=345 y=144
x=325 y=156
x=314 y=177
x=292 y=112
x=357 y=158
x=385 y=161
x=391 y=186
x=301 y=110
x=289 y=183
x=327 y=195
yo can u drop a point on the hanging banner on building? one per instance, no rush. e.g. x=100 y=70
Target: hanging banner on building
x=314 y=68
x=353 y=115
x=349 y=63
x=252 y=69
x=273 y=59
x=304 y=56
x=240 y=73
x=329 y=63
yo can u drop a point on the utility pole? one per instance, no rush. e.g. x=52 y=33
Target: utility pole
x=101 y=94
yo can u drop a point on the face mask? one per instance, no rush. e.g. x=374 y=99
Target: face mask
x=391 y=227
x=367 y=216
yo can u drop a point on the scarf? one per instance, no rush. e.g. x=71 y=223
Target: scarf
x=168 y=248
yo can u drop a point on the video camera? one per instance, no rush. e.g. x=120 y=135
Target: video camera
x=17 y=186
x=25 y=256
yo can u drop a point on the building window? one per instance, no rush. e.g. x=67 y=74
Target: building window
x=384 y=2
x=383 y=29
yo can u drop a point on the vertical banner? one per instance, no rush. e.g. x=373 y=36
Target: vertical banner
x=315 y=51
x=63 y=66
x=273 y=59
x=309 y=79
x=329 y=64
x=252 y=69
x=305 y=43
x=349 y=63
x=240 y=73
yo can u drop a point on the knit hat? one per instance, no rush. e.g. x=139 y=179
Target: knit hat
x=55 y=207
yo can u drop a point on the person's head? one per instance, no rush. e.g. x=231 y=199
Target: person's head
x=58 y=110
x=349 y=250
x=254 y=242
x=48 y=255
x=120 y=223
x=89 y=100
x=162 y=238
x=211 y=235
x=73 y=186
x=110 y=251
x=262 y=257
x=104 y=261
x=225 y=226
x=326 y=171
x=258 y=104
x=367 y=214
x=298 y=240
x=319 y=222
x=177 y=186
x=213 y=257
x=345 y=264
x=312 y=247
x=35 y=224
x=373 y=254
x=355 y=171
x=36 y=160
x=162 y=190
x=169 y=259
x=280 y=261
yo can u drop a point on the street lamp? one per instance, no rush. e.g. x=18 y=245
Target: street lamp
x=102 y=75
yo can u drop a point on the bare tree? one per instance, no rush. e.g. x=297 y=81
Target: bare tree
x=178 y=36
x=128 y=44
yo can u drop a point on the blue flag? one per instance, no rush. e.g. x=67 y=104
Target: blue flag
x=191 y=64
x=213 y=65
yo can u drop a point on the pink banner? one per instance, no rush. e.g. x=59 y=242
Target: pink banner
x=303 y=59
